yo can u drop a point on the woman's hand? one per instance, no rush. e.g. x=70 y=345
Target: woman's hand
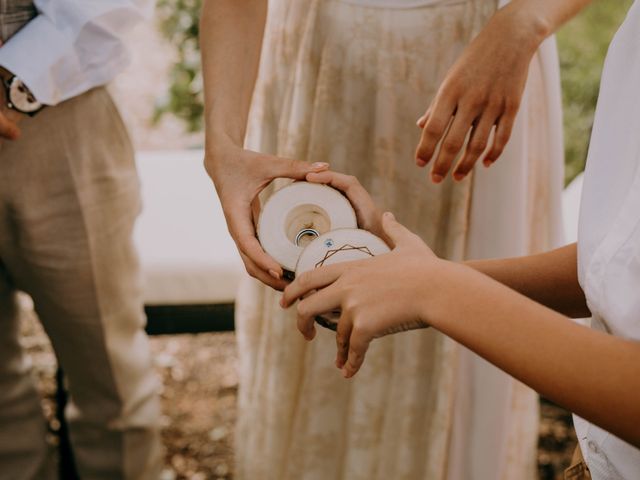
x=368 y=215
x=377 y=297
x=481 y=94
x=239 y=176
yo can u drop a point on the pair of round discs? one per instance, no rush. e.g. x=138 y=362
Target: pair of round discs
x=305 y=225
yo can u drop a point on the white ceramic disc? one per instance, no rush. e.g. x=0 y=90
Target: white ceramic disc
x=297 y=214
x=343 y=245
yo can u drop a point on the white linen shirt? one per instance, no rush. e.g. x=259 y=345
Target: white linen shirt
x=609 y=231
x=72 y=46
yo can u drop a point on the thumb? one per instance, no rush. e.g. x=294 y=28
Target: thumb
x=395 y=231
x=296 y=169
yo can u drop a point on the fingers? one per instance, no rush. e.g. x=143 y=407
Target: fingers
x=452 y=143
x=397 y=235
x=240 y=220
x=423 y=119
x=318 y=303
x=435 y=127
x=366 y=211
x=478 y=142
x=312 y=280
x=296 y=169
x=254 y=271
x=341 y=181
x=343 y=334
x=8 y=129
x=502 y=135
x=358 y=345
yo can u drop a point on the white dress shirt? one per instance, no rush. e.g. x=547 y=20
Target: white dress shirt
x=72 y=45
x=609 y=231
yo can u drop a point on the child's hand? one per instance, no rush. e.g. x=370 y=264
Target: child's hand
x=369 y=216
x=378 y=296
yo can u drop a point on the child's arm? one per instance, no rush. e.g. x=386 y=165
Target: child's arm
x=549 y=278
x=593 y=374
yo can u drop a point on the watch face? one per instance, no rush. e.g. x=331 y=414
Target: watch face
x=21 y=98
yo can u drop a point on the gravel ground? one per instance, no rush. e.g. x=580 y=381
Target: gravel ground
x=199 y=411
x=198 y=397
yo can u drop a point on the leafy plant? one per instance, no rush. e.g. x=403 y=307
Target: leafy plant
x=179 y=23
x=583 y=44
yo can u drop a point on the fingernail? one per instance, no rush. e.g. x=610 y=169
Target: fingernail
x=274 y=274
x=420 y=162
x=487 y=162
x=458 y=176
x=389 y=215
x=420 y=120
x=436 y=177
x=319 y=166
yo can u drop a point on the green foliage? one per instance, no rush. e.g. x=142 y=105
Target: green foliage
x=583 y=44
x=179 y=24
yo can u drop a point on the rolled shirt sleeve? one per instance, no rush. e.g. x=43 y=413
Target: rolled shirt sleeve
x=72 y=46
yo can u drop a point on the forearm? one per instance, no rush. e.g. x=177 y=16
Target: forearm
x=231 y=39
x=549 y=278
x=591 y=373
x=86 y=38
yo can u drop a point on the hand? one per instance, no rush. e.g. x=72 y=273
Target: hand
x=239 y=176
x=377 y=296
x=481 y=94
x=368 y=215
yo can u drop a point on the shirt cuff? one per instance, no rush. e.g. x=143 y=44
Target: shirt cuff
x=50 y=65
x=34 y=53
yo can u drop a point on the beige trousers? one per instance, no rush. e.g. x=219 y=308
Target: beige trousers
x=578 y=469
x=69 y=197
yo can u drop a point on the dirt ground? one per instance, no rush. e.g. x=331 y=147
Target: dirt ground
x=199 y=404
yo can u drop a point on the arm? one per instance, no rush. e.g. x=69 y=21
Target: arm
x=71 y=47
x=550 y=279
x=591 y=373
x=67 y=49
x=483 y=89
x=231 y=39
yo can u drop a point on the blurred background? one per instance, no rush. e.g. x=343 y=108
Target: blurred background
x=160 y=97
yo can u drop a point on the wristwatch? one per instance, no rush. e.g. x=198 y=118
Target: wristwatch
x=20 y=98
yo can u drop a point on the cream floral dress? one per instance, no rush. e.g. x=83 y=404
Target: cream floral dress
x=344 y=82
